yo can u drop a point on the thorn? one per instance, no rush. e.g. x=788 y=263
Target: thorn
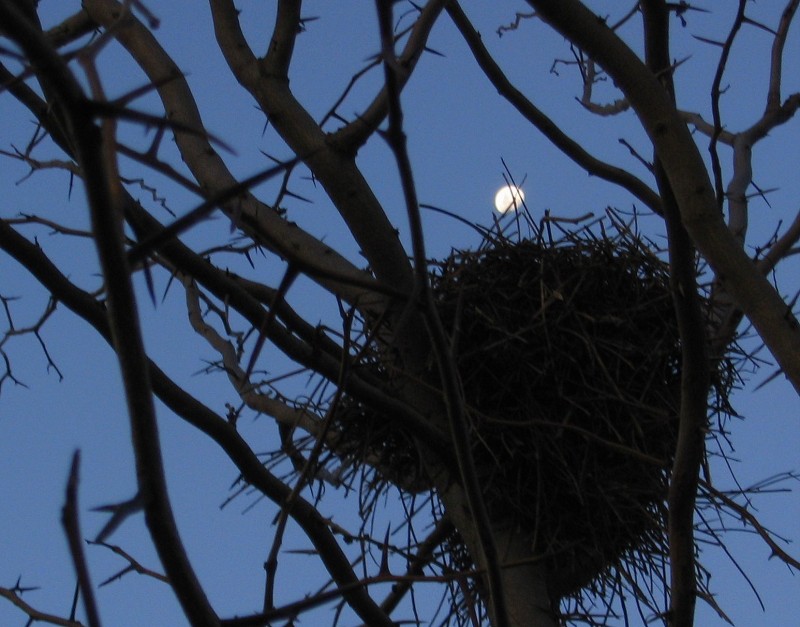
x=384 y=571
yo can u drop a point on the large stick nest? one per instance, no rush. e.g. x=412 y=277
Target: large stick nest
x=569 y=356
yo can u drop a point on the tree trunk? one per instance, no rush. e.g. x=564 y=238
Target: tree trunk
x=528 y=603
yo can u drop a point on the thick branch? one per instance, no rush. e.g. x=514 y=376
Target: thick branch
x=776 y=56
x=355 y=134
x=690 y=449
x=284 y=35
x=335 y=170
x=261 y=222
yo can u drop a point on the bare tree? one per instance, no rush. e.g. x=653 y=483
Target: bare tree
x=579 y=483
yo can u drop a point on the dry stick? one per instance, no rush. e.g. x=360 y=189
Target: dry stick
x=293 y=609
x=69 y=519
x=448 y=372
x=423 y=556
x=203 y=210
x=123 y=319
x=133 y=565
x=278 y=297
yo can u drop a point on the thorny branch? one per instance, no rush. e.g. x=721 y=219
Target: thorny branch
x=689 y=178
x=36 y=616
x=748 y=518
x=35 y=330
x=263 y=223
x=133 y=565
x=716 y=94
x=70 y=521
x=198 y=415
x=91 y=146
x=573 y=149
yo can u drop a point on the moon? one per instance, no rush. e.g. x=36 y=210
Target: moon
x=508 y=198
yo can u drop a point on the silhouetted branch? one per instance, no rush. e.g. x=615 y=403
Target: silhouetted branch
x=695 y=379
x=201 y=417
x=687 y=174
x=352 y=136
x=263 y=223
x=716 y=94
x=334 y=169
x=70 y=521
x=550 y=129
x=106 y=214
x=133 y=565
x=36 y=616
x=749 y=518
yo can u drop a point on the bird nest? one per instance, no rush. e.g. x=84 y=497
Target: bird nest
x=569 y=356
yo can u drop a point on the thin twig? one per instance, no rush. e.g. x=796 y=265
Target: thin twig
x=71 y=524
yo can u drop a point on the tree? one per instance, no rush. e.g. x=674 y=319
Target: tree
x=390 y=402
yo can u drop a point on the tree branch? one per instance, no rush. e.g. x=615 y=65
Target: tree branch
x=571 y=148
x=716 y=94
x=684 y=167
x=335 y=170
x=776 y=56
x=263 y=223
x=70 y=522
x=123 y=319
x=695 y=379
x=749 y=518
x=36 y=615
x=448 y=371
x=352 y=136
x=208 y=422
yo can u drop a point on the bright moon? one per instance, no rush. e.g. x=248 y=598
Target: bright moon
x=508 y=198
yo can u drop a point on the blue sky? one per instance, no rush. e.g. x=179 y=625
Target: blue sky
x=458 y=130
